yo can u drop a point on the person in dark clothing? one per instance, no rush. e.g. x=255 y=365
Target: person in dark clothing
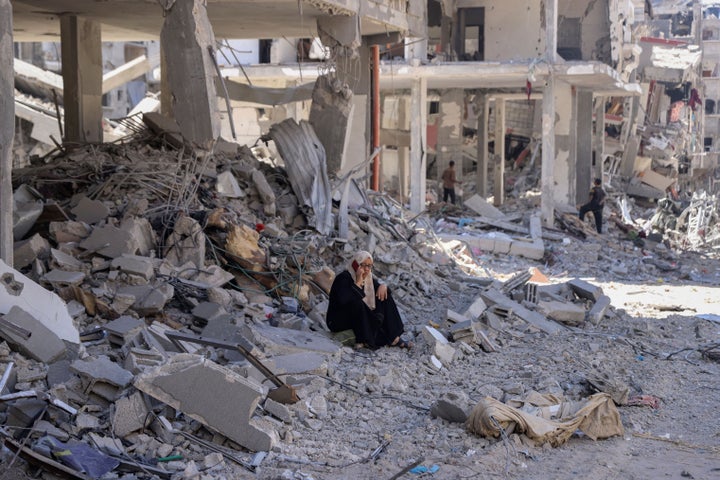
x=595 y=204
x=360 y=303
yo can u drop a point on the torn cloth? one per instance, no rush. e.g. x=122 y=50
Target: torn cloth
x=598 y=418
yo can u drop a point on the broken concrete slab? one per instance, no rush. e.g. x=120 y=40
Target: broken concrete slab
x=131 y=415
x=186 y=243
x=18 y=290
x=480 y=206
x=27 y=251
x=40 y=343
x=149 y=299
x=452 y=406
x=61 y=278
x=585 y=289
x=565 y=312
x=297 y=363
x=497 y=299
x=200 y=389
x=123 y=329
x=110 y=241
x=135 y=265
x=440 y=346
x=102 y=376
x=283 y=341
x=597 y=312
x=90 y=211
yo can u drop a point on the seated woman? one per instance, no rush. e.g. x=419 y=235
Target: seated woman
x=361 y=303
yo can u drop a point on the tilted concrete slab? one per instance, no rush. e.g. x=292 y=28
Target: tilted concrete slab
x=495 y=298
x=283 y=340
x=211 y=394
x=18 y=290
x=42 y=344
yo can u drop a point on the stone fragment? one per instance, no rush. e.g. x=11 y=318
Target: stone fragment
x=440 y=346
x=65 y=261
x=90 y=211
x=452 y=406
x=278 y=410
x=149 y=299
x=283 y=341
x=500 y=302
x=267 y=195
x=131 y=414
x=597 y=312
x=60 y=278
x=135 y=265
x=585 y=289
x=480 y=206
x=110 y=241
x=102 y=376
x=476 y=309
x=138 y=359
x=28 y=250
x=242 y=244
x=123 y=329
x=186 y=243
x=565 y=312
x=69 y=232
x=201 y=389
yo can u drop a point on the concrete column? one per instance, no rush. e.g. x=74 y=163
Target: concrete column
x=355 y=72
x=7 y=130
x=165 y=92
x=82 y=74
x=418 y=144
x=403 y=151
x=547 y=180
x=499 y=157
x=482 y=146
x=583 y=145
x=599 y=140
x=449 y=138
x=185 y=37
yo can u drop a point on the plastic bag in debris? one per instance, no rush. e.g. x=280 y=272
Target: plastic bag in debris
x=78 y=456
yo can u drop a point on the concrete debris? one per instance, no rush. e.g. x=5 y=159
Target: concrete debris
x=183 y=382
x=218 y=245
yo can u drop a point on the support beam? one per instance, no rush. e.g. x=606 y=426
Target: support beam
x=482 y=146
x=375 y=105
x=82 y=79
x=418 y=143
x=128 y=72
x=599 y=140
x=7 y=131
x=583 y=145
x=547 y=180
x=499 y=171
x=185 y=37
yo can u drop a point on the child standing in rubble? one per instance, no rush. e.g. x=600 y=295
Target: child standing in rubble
x=595 y=204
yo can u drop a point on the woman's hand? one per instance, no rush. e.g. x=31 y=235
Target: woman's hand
x=360 y=277
x=381 y=292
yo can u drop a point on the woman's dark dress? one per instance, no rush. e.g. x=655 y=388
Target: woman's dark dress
x=348 y=311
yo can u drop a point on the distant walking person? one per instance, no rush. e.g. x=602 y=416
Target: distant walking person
x=449 y=181
x=595 y=205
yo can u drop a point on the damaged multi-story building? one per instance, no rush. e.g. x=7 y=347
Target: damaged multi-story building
x=558 y=92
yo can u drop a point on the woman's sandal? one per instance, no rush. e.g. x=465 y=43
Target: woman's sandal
x=402 y=343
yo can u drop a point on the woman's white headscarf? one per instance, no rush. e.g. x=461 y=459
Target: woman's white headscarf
x=369 y=286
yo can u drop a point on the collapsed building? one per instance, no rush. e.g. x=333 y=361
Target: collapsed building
x=400 y=90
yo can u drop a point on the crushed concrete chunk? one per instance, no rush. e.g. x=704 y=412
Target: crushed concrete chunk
x=201 y=389
x=42 y=344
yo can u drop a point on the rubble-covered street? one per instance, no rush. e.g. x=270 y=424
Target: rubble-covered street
x=194 y=309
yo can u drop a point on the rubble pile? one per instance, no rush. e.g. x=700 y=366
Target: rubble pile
x=164 y=318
